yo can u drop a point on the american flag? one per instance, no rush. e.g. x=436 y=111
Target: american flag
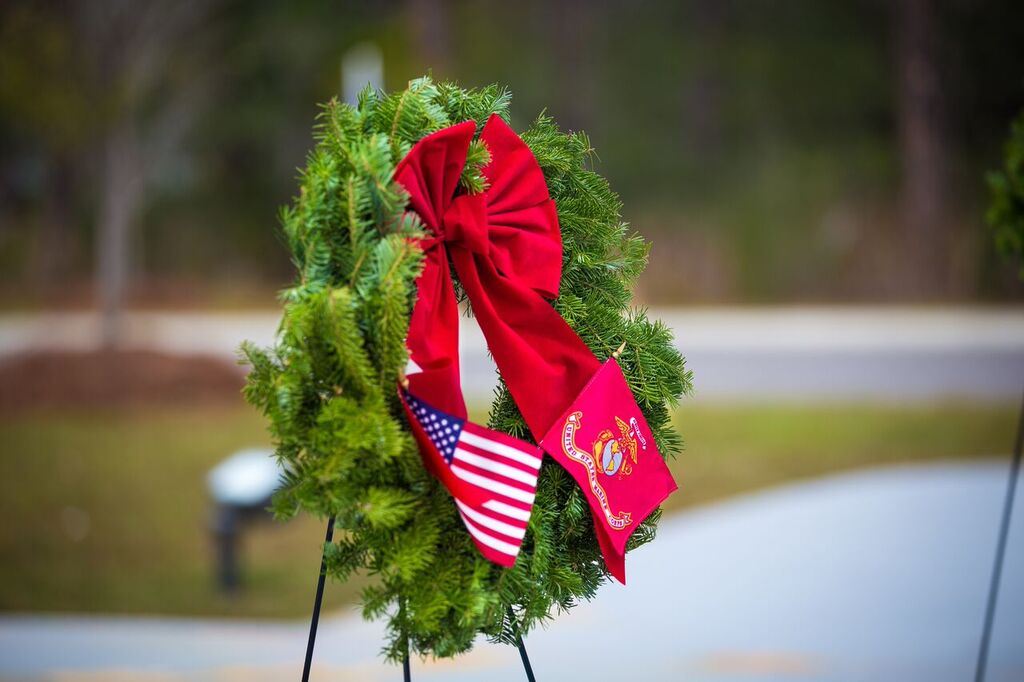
x=492 y=476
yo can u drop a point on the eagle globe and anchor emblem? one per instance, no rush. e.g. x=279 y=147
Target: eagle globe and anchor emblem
x=616 y=454
x=611 y=454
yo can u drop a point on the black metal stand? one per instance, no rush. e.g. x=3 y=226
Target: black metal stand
x=406 y=672
x=522 y=648
x=997 y=566
x=316 y=604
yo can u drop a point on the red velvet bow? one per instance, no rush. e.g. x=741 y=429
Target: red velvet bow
x=506 y=247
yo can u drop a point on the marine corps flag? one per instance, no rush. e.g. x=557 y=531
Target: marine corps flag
x=604 y=442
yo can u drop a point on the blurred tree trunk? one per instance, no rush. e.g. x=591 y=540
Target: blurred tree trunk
x=121 y=199
x=134 y=44
x=923 y=150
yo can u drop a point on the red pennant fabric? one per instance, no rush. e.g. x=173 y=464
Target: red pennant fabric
x=603 y=441
x=505 y=245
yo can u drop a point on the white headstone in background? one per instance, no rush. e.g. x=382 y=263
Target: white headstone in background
x=361 y=64
x=246 y=478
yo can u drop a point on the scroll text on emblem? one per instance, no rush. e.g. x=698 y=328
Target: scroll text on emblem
x=572 y=424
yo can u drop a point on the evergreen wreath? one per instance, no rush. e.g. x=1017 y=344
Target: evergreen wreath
x=328 y=384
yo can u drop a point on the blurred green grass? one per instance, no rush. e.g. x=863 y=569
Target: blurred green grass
x=106 y=511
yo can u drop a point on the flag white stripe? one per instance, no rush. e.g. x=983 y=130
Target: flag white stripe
x=507 y=510
x=489 y=540
x=495 y=467
x=492 y=485
x=494 y=524
x=502 y=449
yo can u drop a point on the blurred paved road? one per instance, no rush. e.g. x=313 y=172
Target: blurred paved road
x=892 y=354
x=879 y=575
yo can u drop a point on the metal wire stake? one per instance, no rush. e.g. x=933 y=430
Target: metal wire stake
x=406 y=671
x=316 y=603
x=522 y=648
x=997 y=565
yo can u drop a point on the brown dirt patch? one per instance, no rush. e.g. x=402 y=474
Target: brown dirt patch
x=115 y=378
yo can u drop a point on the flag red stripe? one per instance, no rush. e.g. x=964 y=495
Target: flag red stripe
x=505 y=530
x=513 y=509
x=502 y=526
x=502 y=445
x=499 y=551
x=498 y=459
x=504 y=438
x=465 y=457
x=487 y=468
x=497 y=478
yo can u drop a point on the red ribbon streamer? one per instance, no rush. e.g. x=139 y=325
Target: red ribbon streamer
x=506 y=247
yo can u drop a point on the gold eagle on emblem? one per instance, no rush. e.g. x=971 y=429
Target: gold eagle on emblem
x=616 y=454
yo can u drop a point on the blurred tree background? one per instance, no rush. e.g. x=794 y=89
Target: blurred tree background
x=775 y=152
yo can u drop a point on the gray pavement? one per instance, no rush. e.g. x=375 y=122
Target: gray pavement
x=877 y=575
x=798 y=353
